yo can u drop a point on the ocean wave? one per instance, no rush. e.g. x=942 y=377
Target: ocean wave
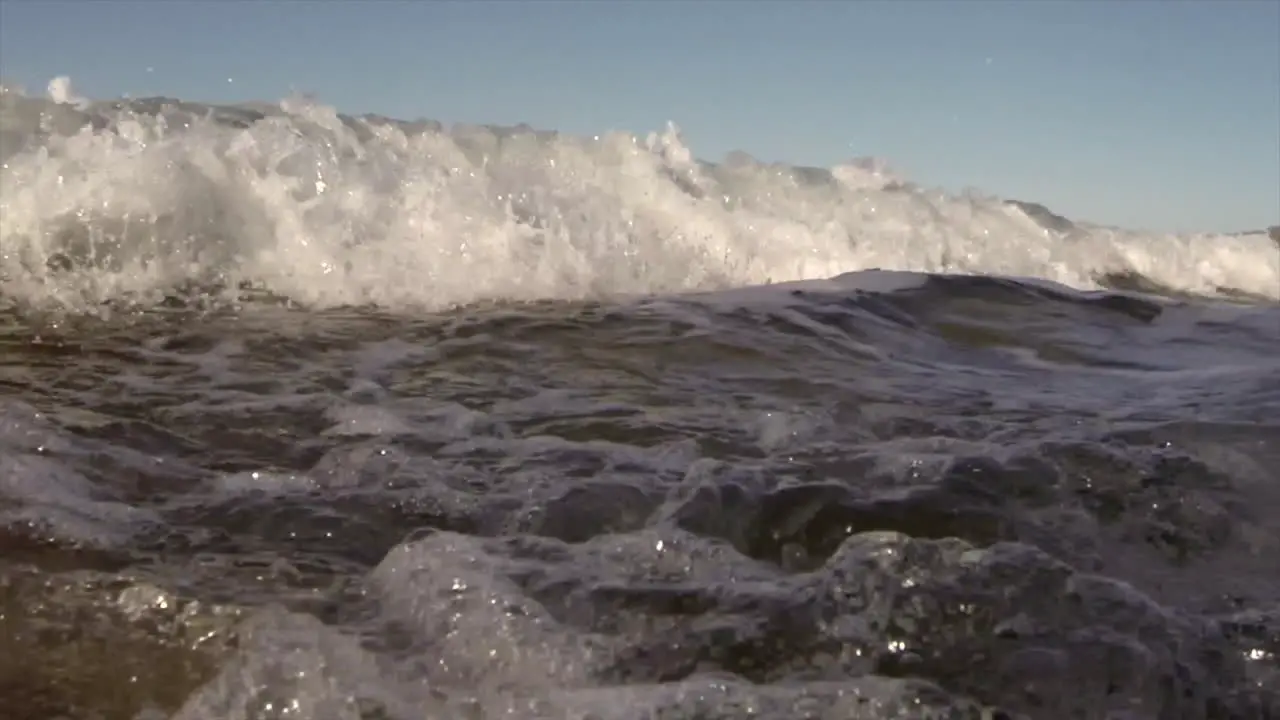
x=131 y=200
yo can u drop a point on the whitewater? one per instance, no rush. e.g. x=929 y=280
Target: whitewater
x=314 y=415
x=139 y=197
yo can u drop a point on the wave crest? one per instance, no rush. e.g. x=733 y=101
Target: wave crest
x=108 y=201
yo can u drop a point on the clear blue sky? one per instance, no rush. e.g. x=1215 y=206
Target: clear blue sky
x=1162 y=115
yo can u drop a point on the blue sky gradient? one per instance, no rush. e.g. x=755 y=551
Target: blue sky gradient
x=1159 y=115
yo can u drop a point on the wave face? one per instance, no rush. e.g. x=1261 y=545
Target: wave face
x=133 y=200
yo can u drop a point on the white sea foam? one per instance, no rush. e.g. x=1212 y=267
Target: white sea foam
x=132 y=199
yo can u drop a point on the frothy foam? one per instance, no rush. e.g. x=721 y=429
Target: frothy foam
x=110 y=201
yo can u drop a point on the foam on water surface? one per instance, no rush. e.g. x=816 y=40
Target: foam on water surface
x=767 y=442
x=107 y=201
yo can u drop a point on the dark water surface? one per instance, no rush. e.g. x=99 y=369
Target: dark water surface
x=968 y=498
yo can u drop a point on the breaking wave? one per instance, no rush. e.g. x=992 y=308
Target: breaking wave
x=134 y=200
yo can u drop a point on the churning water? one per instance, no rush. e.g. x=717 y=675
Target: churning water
x=311 y=416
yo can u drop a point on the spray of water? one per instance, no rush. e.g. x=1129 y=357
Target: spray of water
x=108 y=201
